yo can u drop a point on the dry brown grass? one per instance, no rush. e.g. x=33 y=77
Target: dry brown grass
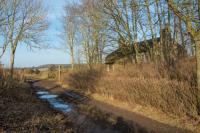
x=171 y=90
x=168 y=96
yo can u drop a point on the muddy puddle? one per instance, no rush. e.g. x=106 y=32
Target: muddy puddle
x=54 y=101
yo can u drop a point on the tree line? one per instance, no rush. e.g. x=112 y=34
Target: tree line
x=93 y=28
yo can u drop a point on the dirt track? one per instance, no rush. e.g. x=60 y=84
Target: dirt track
x=93 y=113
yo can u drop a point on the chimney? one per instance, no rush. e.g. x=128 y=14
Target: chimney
x=165 y=34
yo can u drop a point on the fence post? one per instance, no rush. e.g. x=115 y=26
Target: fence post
x=59 y=73
x=108 y=68
x=113 y=67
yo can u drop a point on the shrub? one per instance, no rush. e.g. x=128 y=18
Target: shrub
x=51 y=75
x=84 y=79
x=183 y=70
x=37 y=71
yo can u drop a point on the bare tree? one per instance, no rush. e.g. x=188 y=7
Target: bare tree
x=89 y=27
x=4 y=43
x=155 y=51
x=25 y=23
x=193 y=28
x=69 y=25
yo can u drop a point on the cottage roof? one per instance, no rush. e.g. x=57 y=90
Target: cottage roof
x=124 y=51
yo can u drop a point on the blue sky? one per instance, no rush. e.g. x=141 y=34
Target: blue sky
x=27 y=58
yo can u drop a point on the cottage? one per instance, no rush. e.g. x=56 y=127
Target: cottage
x=126 y=53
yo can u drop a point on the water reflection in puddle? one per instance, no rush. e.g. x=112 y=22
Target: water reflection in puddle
x=47 y=96
x=42 y=92
x=56 y=103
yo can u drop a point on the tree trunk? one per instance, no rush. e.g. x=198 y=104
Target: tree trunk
x=136 y=53
x=197 y=42
x=199 y=8
x=72 y=58
x=12 y=60
x=160 y=52
x=154 y=49
x=97 y=48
